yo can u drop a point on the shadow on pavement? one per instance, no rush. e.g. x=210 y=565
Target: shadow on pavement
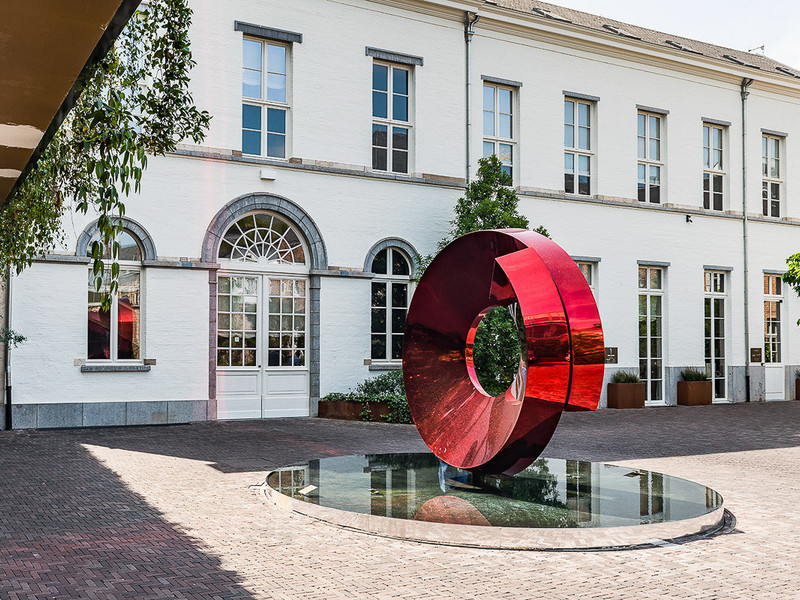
x=70 y=529
x=249 y=446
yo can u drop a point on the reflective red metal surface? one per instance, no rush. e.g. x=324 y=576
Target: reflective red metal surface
x=562 y=369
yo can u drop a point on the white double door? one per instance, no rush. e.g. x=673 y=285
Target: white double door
x=262 y=346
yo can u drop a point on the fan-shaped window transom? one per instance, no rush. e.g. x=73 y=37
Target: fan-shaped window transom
x=262 y=238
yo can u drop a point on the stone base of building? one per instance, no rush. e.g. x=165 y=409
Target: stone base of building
x=107 y=414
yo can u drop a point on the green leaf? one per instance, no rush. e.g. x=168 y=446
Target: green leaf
x=96 y=157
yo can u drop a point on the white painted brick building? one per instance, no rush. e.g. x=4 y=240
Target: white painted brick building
x=347 y=122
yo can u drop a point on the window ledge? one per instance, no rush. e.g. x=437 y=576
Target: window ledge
x=115 y=368
x=386 y=366
x=311 y=165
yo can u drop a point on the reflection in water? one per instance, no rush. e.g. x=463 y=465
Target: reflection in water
x=549 y=493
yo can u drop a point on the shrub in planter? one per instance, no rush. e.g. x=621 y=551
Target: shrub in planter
x=695 y=389
x=381 y=398
x=625 y=390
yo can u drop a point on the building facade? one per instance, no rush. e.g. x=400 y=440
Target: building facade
x=274 y=263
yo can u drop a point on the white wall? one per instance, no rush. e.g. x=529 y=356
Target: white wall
x=49 y=308
x=332 y=77
x=344 y=333
x=331 y=115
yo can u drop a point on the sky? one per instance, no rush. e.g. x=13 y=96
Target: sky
x=738 y=24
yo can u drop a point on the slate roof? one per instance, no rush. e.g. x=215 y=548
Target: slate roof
x=628 y=31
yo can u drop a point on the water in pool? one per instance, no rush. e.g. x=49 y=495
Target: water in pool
x=550 y=493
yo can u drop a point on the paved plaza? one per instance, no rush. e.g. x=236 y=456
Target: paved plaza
x=167 y=512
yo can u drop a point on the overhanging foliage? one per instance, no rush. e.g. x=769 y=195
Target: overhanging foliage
x=134 y=103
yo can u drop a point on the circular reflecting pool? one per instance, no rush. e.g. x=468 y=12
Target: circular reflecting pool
x=551 y=494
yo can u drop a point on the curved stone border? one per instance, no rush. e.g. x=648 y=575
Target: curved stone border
x=390 y=242
x=504 y=538
x=148 y=245
x=268 y=202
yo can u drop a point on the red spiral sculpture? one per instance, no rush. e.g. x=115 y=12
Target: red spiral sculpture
x=561 y=370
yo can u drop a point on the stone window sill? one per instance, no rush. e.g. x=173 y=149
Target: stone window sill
x=115 y=368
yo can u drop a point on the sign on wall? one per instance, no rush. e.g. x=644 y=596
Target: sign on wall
x=612 y=356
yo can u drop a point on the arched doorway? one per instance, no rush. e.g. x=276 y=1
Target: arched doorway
x=262 y=345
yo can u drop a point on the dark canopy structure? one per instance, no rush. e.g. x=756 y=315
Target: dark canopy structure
x=44 y=48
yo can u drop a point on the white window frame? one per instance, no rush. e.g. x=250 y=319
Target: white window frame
x=114 y=318
x=264 y=104
x=574 y=150
x=390 y=279
x=712 y=172
x=648 y=291
x=775 y=339
x=262 y=330
x=647 y=161
x=770 y=181
x=715 y=287
x=497 y=140
x=589 y=270
x=389 y=121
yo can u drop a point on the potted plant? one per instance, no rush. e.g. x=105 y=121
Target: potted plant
x=695 y=389
x=381 y=398
x=625 y=390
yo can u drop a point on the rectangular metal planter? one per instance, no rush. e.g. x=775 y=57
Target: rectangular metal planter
x=695 y=393
x=350 y=410
x=627 y=395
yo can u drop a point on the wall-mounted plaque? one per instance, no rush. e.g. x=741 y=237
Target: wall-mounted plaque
x=612 y=356
x=756 y=355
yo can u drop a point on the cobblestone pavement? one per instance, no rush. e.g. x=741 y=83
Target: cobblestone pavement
x=165 y=512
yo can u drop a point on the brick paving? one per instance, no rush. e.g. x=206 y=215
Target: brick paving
x=165 y=512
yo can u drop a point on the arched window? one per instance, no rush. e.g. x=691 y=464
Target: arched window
x=115 y=335
x=390 y=297
x=262 y=238
x=130 y=248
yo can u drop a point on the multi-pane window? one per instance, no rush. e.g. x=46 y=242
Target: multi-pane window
x=238 y=316
x=650 y=164
x=237 y=321
x=498 y=125
x=390 y=297
x=577 y=147
x=771 y=176
x=651 y=348
x=115 y=334
x=391 y=117
x=287 y=323
x=264 y=98
x=714 y=301
x=773 y=297
x=713 y=167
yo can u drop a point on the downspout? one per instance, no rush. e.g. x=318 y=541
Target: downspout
x=469 y=30
x=745 y=93
x=7 y=355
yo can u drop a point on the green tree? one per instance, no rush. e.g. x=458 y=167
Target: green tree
x=491 y=203
x=792 y=276
x=134 y=103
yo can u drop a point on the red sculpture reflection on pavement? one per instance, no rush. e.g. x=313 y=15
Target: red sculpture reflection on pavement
x=562 y=368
